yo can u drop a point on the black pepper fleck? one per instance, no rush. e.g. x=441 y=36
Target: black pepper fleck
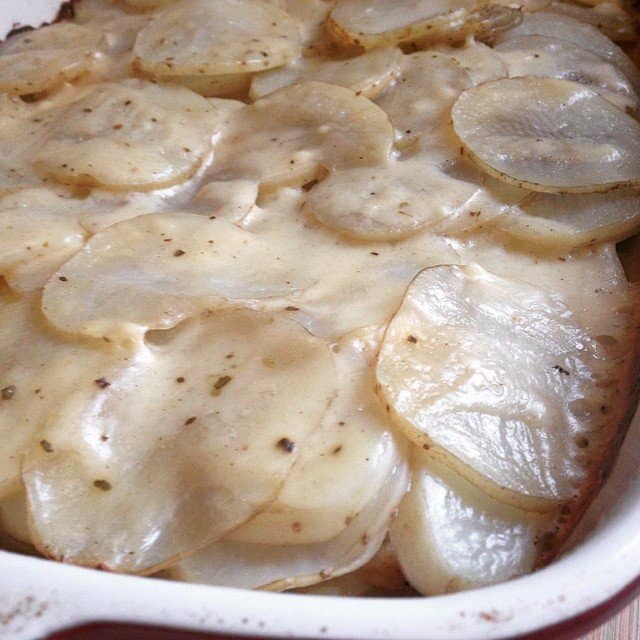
x=286 y=445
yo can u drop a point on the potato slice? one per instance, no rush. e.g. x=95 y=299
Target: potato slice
x=359 y=23
x=450 y=536
x=14 y=517
x=40 y=60
x=500 y=381
x=231 y=199
x=281 y=567
x=554 y=58
x=345 y=462
x=583 y=35
x=157 y=459
x=130 y=135
x=199 y=37
x=481 y=62
x=390 y=203
x=422 y=118
x=549 y=135
x=311 y=16
x=40 y=368
x=153 y=271
x=293 y=134
x=368 y=75
x=563 y=222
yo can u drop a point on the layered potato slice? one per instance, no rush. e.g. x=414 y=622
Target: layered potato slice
x=155 y=460
x=294 y=134
x=555 y=58
x=501 y=381
x=220 y=42
x=368 y=74
x=397 y=201
x=153 y=271
x=345 y=464
x=585 y=36
x=426 y=22
x=549 y=135
x=130 y=135
x=419 y=105
x=480 y=61
x=564 y=222
x=38 y=61
x=451 y=536
x=40 y=367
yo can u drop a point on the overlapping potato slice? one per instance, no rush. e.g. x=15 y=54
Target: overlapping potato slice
x=231 y=199
x=481 y=62
x=368 y=74
x=549 y=135
x=37 y=61
x=450 y=536
x=281 y=567
x=293 y=134
x=311 y=16
x=153 y=271
x=39 y=368
x=555 y=58
x=14 y=517
x=564 y=222
x=502 y=382
x=216 y=41
x=586 y=36
x=130 y=135
x=345 y=463
x=359 y=23
x=420 y=103
x=158 y=459
x=390 y=203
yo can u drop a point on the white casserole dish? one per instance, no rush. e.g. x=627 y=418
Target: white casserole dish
x=598 y=575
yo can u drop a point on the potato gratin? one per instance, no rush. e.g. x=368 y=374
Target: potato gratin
x=304 y=289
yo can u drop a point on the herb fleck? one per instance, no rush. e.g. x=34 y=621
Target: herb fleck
x=286 y=445
x=103 y=485
x=219 y=384
x=103 y=383
x=8 y=392
x=46 y=446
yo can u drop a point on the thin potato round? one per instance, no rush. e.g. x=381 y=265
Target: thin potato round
x=129 y=135
x=368 y=75
x=564 y=222
x=549 y=135
x=500 y=381
x=481 y=62
x=555 y=58
x=293 y=134
x=157 y=459
x=450 y=536
x=199 y=37
x=427 y=22
x=345 y=462
x=393 y=202
x=153 y=271
x=282 y=567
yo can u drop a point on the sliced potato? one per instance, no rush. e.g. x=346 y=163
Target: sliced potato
x=390 y=203
x=153 y=271
x=368 y=75
x=345 y=462
x=419 y=105
x=293 y=134
x=481 y=62
x=359 y=23
x=129 y=135
x=231 y=199
x=39 y=368
x=281 y=567
x=229 y=85
x=563 y=222
x=199 y=37
x=311 y=16
x=549 y=135
x=14 y=517
x=161 y=457
x=451 y=536
x=586 y=36
x=500 y=381
x=555 y=58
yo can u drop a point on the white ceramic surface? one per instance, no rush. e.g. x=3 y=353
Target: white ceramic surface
x=38 y=597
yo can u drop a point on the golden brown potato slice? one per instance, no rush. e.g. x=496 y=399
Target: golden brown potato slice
x=549 y=135
x=157 y=459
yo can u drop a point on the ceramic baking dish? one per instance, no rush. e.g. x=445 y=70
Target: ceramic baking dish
x=597 y=575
